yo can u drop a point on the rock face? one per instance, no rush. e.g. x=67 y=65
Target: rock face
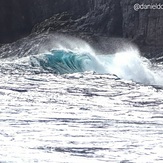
x=103 y=18
x=14 y=20
x=109 y=18
x=18 y=17
x=145 y=26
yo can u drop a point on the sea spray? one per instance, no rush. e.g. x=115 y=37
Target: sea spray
x=71 y=55
x=64 y=54
x=129 y=65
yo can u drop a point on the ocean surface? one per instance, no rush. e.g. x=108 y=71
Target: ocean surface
x=67 y=103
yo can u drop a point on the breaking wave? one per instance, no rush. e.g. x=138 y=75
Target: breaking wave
x=65 y=55
x=126 y=64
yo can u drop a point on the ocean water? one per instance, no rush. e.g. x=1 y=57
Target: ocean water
x=68 y=104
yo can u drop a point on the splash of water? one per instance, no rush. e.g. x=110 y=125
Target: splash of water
x=129 y=65
x=74 y=55
x=69 y=55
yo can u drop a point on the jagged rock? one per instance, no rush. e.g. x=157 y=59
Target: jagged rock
x=104 y=18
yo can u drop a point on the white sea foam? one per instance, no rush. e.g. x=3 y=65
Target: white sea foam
x=130 y=65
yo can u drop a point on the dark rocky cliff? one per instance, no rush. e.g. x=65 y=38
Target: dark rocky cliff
x=108 y=18
x=144 y=27
x=17 y=17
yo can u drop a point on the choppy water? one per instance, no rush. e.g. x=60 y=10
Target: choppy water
x=82 y=116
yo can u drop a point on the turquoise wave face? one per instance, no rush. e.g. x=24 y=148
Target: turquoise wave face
x=61 y=62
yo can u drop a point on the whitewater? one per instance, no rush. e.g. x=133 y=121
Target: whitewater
x=65 y=101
